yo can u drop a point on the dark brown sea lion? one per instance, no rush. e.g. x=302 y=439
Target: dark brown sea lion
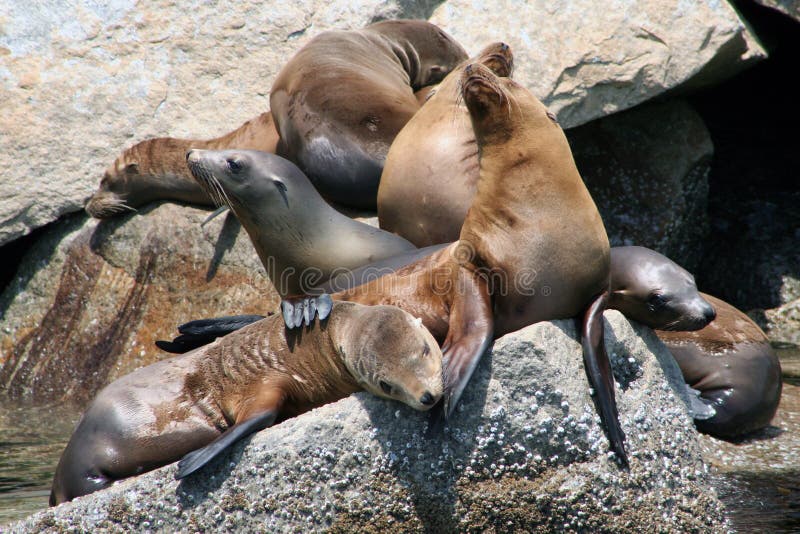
x=431 y=170
x=300 y=239
x=722 y=353
x=196 y=405
x=340 y=101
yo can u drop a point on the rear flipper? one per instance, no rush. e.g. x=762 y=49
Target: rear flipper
x=203 y=331
x=598 y=370
x=200 y=457
x=302 y=310
x=699 y=408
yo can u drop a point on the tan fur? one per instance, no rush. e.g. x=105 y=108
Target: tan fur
x=431 y=170
x=155 y=169
x=161 y=412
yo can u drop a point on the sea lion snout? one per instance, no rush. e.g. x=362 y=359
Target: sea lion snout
x=427 y=399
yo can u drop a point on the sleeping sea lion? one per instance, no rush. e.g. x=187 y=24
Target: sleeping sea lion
x=196 y=405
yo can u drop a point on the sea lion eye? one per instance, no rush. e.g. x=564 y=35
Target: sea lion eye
x=426 y=350
x=656 y=300
x=385 y=387
x=234 y=165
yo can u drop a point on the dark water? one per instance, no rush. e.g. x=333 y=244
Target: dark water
x=31 y=441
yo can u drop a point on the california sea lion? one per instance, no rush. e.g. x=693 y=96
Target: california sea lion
x=340 y=101
x=195 y=405
x=722 y=353
x=155 y=169
x=300 y=239
x=520 y=259
x=431 y=170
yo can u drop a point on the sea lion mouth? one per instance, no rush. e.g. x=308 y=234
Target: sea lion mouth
x=479 y=88
x=104 y=205
x=210 y=184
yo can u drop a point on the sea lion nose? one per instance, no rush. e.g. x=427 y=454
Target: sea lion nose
x=427 y=399
x=709 y=313
x=503 y=47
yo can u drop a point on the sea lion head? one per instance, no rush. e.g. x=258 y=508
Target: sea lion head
x=392 y=355
x=501 y=109
x=142 y=173
x=654 y=290
x=498 y=57
x=114 y=194
x=251 y=183
x=426 y=51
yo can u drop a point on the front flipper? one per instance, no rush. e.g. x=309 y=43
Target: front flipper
x=302 y=310
x=598 y=370
x=200 y=457
x=203 y=331
x=470 y=333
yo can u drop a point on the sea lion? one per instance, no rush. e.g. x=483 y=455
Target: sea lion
x=520 y=259
x=196 y=405
x=533 y=247
x=431 y=170
x=340 y=101
x=722 y=353
x=288 y=222
x=155 y=169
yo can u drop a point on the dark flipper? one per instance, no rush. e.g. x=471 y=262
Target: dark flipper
x=598 y=370
x=302 y=310
x=470 y=333
x=200 y=457
x=203 y=331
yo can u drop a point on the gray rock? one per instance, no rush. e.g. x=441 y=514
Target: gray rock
x=524 y=452
x=647 y=170
x=91 y=298
x=81 y=81
x=587 y=59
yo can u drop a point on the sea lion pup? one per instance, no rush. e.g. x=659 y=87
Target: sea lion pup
x=340 y=101
x=155 y=169
x=196 y=405
x=300 y=239
x=431 y=170
x=722 y=353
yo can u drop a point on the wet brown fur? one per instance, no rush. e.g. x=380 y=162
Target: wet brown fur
x=155 y=169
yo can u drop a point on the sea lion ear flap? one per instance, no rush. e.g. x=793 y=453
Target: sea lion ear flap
x=282 y=190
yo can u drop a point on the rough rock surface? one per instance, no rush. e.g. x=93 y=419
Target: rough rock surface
x=81 y=81
x=588 y=59
x=90 y=298
x=524 y=453
x=647 y=170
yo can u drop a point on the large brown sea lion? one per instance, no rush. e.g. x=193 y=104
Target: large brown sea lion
x=431 y=170
x=196 y=405
x=155 y=169
x=533 y=247
x=340 y=101
x=300 y=239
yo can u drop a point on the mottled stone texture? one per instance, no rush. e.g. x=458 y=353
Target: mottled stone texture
x=647 y=170
x=91 y=298
x=523 y=453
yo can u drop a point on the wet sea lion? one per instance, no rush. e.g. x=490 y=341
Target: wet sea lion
x=340 y=101
x=722 y=353
x=431 y=170
x=288 y=222
x=155 y=169
x=196 y=405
